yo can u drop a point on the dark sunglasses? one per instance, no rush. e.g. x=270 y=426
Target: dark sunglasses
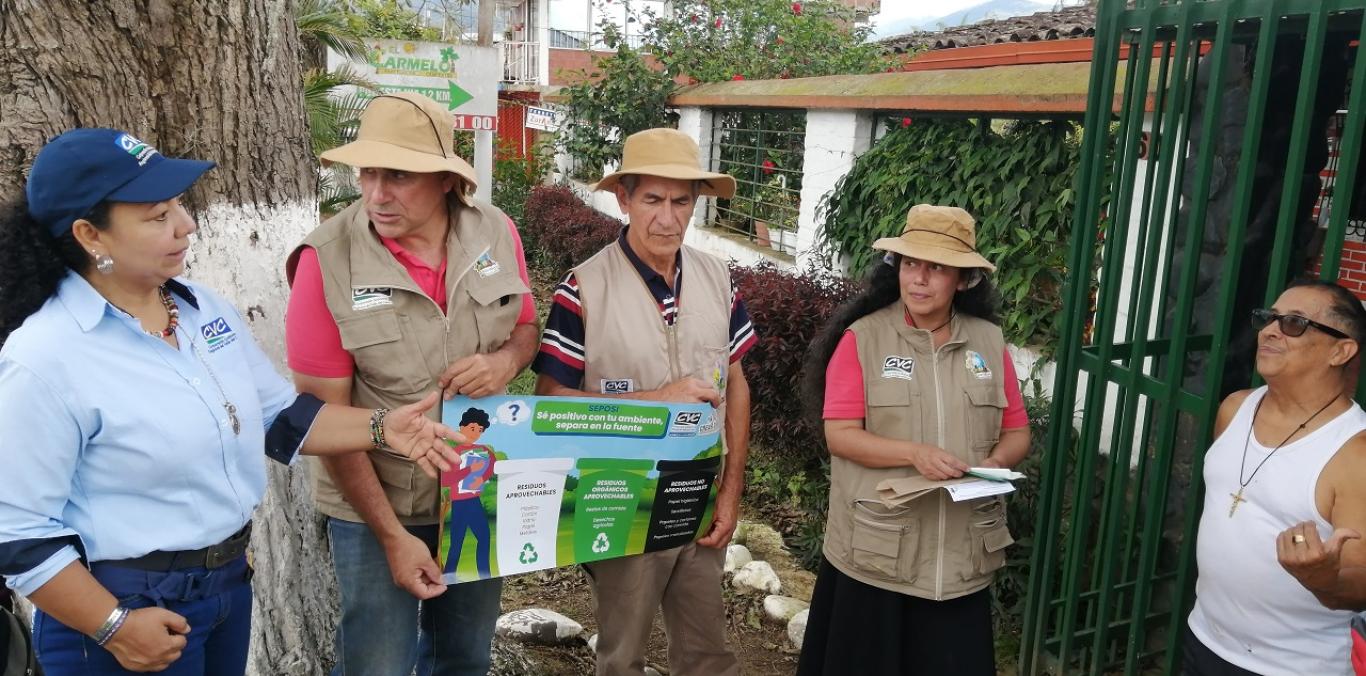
x=1292 y=325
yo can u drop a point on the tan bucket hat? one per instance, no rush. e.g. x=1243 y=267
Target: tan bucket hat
x=667 y=153
x=407 y=132
x=944 y=235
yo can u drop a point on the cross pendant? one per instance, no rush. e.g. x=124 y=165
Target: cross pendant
x=1237 y=498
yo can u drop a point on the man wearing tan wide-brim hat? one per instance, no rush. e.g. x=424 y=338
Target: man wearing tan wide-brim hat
x=651 y=318
x=415 y=287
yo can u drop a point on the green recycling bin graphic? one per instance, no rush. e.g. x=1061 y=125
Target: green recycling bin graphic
x=608 y=499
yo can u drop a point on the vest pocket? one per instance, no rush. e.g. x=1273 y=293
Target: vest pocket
x=986 y=406
x=396 y=478
x=497 y=302
x=893 y=410
x=883 y=546
x=990 y=536
x=375 y=341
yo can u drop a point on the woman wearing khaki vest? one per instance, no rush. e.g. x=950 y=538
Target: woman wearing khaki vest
x=912 y=378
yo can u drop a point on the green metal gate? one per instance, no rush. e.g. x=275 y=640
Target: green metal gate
x=1203 y=144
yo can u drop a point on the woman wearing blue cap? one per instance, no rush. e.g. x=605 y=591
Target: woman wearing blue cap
x=135 y=408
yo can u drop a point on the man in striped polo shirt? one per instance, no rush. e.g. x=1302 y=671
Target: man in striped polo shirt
x=622 y=324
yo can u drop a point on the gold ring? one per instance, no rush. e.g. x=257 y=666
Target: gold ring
x=1299 y=539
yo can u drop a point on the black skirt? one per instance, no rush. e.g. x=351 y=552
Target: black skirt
x=855 y=628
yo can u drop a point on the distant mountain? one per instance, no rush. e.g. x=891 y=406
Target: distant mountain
x=991 y=9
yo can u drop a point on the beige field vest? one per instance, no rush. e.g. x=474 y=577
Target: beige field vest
x=400 y=340
x=627 y=346
x=952 y=398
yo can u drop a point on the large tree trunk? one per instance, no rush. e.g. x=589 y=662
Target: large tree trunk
x=214 y=80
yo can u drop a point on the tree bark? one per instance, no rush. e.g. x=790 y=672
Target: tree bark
x=213 y=80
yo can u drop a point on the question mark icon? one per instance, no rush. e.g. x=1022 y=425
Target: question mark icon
x=515 y=408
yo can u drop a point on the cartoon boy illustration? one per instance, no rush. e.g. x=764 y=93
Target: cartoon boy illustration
x=465 y=483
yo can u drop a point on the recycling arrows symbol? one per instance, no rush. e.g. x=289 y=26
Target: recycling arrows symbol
x=528 y=555
x=600 y=543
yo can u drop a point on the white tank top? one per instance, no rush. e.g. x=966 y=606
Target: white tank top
x=1248 y=610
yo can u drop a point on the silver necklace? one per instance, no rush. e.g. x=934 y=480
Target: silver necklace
x=227 y=403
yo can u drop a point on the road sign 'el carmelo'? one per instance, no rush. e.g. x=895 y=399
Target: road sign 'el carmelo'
x=462 y=77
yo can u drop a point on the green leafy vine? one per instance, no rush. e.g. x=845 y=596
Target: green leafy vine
x=1016 y=178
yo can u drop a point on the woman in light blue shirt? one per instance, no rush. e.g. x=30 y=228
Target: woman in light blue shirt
x=135 y=408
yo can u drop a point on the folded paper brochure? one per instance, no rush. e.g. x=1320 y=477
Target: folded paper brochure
x=900 y=492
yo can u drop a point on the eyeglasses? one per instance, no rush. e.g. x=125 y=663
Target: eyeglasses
x=1292 y=325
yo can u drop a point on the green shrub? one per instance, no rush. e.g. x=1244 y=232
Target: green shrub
x=1017 y=183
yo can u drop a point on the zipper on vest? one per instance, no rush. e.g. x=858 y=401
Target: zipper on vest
x=939 y=420
x=671 y=330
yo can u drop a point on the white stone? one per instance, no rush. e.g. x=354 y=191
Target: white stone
x=783 y=608
x=651 y=671
x=756 y=576
x=537 y=625
x=736 y=557
x=796 y=628
x=593 y=643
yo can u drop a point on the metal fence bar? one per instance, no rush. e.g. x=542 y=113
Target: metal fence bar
x=1116 y=484
x=1054 y=472
x=1349 y=156
x=1299 y=147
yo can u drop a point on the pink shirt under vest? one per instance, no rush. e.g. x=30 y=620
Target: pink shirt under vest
x=844 y=387
x=311 y=336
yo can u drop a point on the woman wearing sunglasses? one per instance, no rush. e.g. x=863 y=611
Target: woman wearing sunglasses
x=1281 y=564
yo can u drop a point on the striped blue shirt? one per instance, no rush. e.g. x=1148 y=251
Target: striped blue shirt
x=561 y=350
x=116 y=444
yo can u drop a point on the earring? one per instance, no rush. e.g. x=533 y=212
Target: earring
x=103 y=262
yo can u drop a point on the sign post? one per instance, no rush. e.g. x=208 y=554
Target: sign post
x=462 y=77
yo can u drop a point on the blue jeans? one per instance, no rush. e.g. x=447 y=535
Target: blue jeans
x=216 y=603
x=385 y=631
x=468 y=513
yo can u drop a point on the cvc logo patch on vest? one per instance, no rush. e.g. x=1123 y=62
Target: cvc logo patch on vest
x=622 y=386
x=370 y=297
x=977 y=366
x=217 y=334
x=898 y=367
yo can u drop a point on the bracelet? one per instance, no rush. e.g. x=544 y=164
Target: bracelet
x=377 y=427
x=111 y=625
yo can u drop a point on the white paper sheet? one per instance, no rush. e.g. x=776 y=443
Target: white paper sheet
x=977 y=489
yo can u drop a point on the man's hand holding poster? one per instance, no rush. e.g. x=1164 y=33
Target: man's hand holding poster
x=552 y=481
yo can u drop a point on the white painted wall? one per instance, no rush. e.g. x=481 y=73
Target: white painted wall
x=834 y=140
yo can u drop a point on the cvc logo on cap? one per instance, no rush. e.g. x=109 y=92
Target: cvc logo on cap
x=135 y=147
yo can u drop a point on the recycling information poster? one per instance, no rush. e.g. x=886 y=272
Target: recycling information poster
x=543 y=482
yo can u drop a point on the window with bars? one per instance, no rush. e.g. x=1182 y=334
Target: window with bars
x=763 y=150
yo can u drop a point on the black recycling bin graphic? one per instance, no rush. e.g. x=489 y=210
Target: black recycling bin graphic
x=681 y=498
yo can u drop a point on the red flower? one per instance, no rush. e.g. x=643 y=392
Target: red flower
x=695 y=19
x=905 y=122
x=797 y=8
x=737 y=76
x=718 y=22
x=768 y=166
x=778 y=40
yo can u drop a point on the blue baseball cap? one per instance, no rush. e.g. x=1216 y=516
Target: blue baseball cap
x=81 y=168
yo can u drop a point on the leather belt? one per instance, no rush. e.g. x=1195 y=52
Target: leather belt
x=213 y=556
